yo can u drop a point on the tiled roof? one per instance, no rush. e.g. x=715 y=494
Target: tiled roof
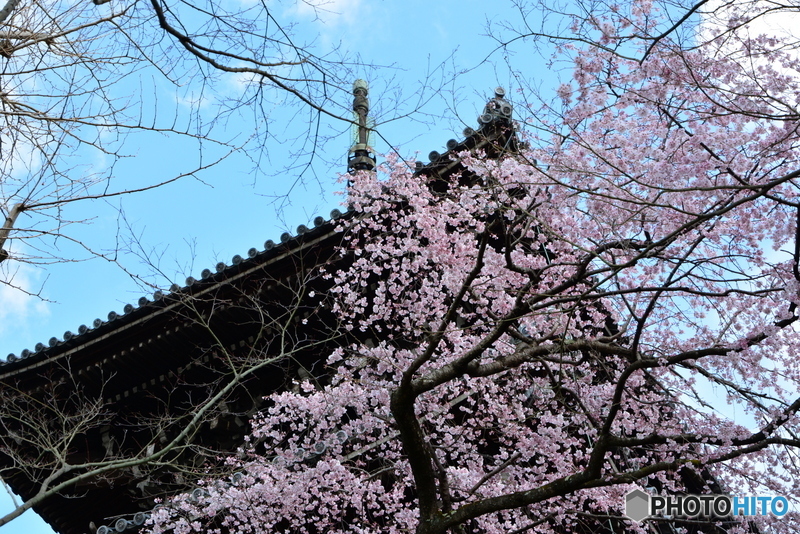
x=145 y=305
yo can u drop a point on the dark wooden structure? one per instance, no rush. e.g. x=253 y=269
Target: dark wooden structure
x=153 y=366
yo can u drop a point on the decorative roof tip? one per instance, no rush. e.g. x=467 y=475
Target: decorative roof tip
x=497 y=109
x=360 y=158
x=496 y=118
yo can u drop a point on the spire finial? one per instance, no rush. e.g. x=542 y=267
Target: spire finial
x=360 y=158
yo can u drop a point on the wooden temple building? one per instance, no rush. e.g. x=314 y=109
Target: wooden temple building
x=129 y=384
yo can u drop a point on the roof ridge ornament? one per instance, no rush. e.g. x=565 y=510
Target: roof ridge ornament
x=495 y=126
x=360 y=158
x=497 y=109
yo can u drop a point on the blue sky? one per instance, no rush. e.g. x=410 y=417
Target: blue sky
x=436 y=52
x=176 y=231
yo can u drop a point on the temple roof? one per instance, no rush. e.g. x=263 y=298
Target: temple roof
x=494 y=127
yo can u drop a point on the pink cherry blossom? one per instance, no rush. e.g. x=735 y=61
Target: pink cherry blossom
x=558 y=326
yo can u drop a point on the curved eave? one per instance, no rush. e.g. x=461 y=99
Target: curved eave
x=163 y=303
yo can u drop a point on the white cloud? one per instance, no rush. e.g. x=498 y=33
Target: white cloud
x=20 y=308
x=331 y=12
x=755 y=17
x=192 y=101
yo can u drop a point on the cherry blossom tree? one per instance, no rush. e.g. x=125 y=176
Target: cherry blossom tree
x=534 y=335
